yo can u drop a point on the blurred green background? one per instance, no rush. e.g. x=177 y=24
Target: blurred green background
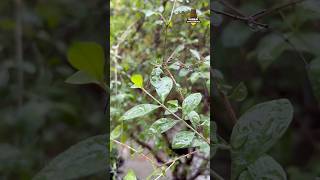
x=53 y=115
x=271 y=68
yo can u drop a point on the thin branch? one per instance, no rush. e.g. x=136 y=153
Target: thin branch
x=136 y=151
x=174 y=161
x=147 y=146
x=174 y=4
x=162 y=105
x=225 y=100
x=277 y=8
x=215 y=175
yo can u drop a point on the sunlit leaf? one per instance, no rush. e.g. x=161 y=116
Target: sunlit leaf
x=130 y=175
x=137 y=80
x=87 y=57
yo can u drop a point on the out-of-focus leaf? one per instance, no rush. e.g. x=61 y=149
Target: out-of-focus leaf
x=162 y=125
x=182 y=9
x=81 y=78
x=82 y=159
x=116 y=132
x=266 y=168
x=130 y=175
x=195 y=53
x=87 y=57
x=182 y=139
x=235 y=34
x=239 y=93
x=314 y=75
x=138 y=111
x=183 y=72
x=191 y=102
x=257 y=131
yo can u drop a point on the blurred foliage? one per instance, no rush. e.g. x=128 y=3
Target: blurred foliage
x=281 y=62
x=54 y=115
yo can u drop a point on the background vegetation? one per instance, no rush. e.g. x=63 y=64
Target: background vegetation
x=45 y=116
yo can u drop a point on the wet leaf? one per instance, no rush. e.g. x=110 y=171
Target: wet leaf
x=182 y=139
x=191 y=102
x=138 y=111
x=257 y=131
x=162 y=125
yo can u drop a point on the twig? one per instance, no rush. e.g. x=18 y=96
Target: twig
x=146 y=145
x=215 y=175
x=277 y=8
x=174 y=161
x=19 y=52
x=136 y=151
x=174 y=4
x=225 y=100
x=162 y=105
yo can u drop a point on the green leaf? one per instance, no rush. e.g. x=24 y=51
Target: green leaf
x=266 y=168
x=87 y=57
x=183 y=72
x=314 y=75
x=173 y=106
x=182 y=9
x=195 y=53
x=116 y=132
x=81 y=78
x=162 y=125
x=235 y=34
x=245 y=175
x=138 y=111
x=194 y=77
x=203 y=146
x=239 y=93
x=163 y=87
x=155 y=76
x=257 y=131
x=137 y=80
x=182 y=139
x=130 y=175
x=269 y=49
x=213 y=132
x=175 y=66
x=194 y=118
x=82 y=159
x=191 y=102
